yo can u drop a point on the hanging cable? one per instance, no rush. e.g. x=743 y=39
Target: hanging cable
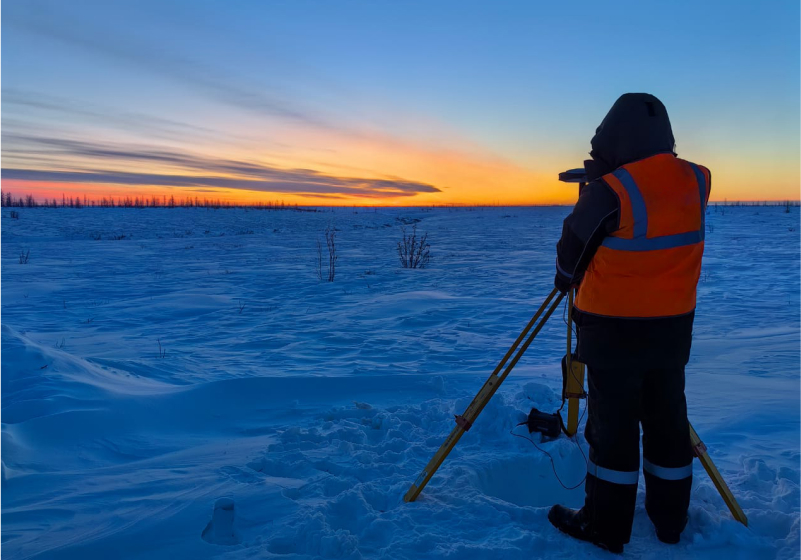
x=553 y=465
x=566 y=310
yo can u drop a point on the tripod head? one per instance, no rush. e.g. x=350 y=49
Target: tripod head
x=577 y=175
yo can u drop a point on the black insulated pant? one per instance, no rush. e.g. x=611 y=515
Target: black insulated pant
x=619 y=401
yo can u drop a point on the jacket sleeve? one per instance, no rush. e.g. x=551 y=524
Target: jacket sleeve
x=595 y=215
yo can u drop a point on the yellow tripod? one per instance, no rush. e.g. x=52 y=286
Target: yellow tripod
x=574 y=376
x=573 y=391
x=700 y=451
x=465 y=421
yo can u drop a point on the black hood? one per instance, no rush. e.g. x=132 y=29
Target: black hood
x=637 y=126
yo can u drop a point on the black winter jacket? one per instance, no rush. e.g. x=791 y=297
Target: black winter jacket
x=636 y=127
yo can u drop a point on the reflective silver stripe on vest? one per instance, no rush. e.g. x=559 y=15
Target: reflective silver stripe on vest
x=665 y=473
x=655 y=243
x=609 y=475
x=641 y=242
x=701 y=179
x=638 y=210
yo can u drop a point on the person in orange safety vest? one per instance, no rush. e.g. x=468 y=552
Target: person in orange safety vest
x=632 y=246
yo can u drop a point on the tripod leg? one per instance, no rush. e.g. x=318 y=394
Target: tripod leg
x=523 y=334
x=465 y=421
x=700 y=451
x=573 y=388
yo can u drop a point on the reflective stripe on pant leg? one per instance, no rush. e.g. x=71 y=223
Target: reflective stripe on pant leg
x=666 y=473
x=613 y=476
x=666 y=445
x=613 y=433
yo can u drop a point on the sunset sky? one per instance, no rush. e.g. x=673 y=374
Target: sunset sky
x=392 y=103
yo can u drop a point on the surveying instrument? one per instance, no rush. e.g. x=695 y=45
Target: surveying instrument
x=551 y=425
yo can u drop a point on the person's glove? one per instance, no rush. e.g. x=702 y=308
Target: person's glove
x=561 y=283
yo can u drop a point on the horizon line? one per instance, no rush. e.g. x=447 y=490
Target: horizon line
x=141 y=202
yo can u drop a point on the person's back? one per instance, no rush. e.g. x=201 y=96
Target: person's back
x=633 y=246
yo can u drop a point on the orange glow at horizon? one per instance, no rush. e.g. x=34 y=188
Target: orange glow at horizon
x=466 y=175
x=46 y=192
x=43 y=191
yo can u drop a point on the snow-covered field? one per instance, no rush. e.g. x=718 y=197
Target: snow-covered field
x=155 y=361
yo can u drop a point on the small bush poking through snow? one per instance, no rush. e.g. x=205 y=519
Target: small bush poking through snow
x=332 y=254
x=413 y=251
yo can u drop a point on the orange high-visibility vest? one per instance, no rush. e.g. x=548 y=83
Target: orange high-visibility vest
x=650 y=266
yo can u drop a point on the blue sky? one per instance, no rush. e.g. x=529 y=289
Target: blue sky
x=482 y=101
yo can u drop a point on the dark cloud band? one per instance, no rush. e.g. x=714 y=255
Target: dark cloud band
x=96 y=163
x=313 y=184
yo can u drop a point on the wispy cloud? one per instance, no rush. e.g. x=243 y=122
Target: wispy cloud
x=236 y=174
x=297 y=144
x=304 y=182
x=215 y=83
x=94 y=163
x=21 y=104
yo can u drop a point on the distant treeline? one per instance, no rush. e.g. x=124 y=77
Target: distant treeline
x=28 y=201
x=787 y=204
x=757 y=203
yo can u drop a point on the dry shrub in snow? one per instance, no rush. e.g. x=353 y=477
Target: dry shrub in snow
x=413 y=251
x=319 y=261
x=330 y=243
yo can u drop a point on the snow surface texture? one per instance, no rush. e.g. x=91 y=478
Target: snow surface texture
x=179 y=384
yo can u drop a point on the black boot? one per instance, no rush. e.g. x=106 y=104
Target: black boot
x=574 y=523
x=668 y=537
x=671 y=536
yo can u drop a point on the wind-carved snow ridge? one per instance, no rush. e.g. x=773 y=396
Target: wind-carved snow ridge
x=199 y=362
